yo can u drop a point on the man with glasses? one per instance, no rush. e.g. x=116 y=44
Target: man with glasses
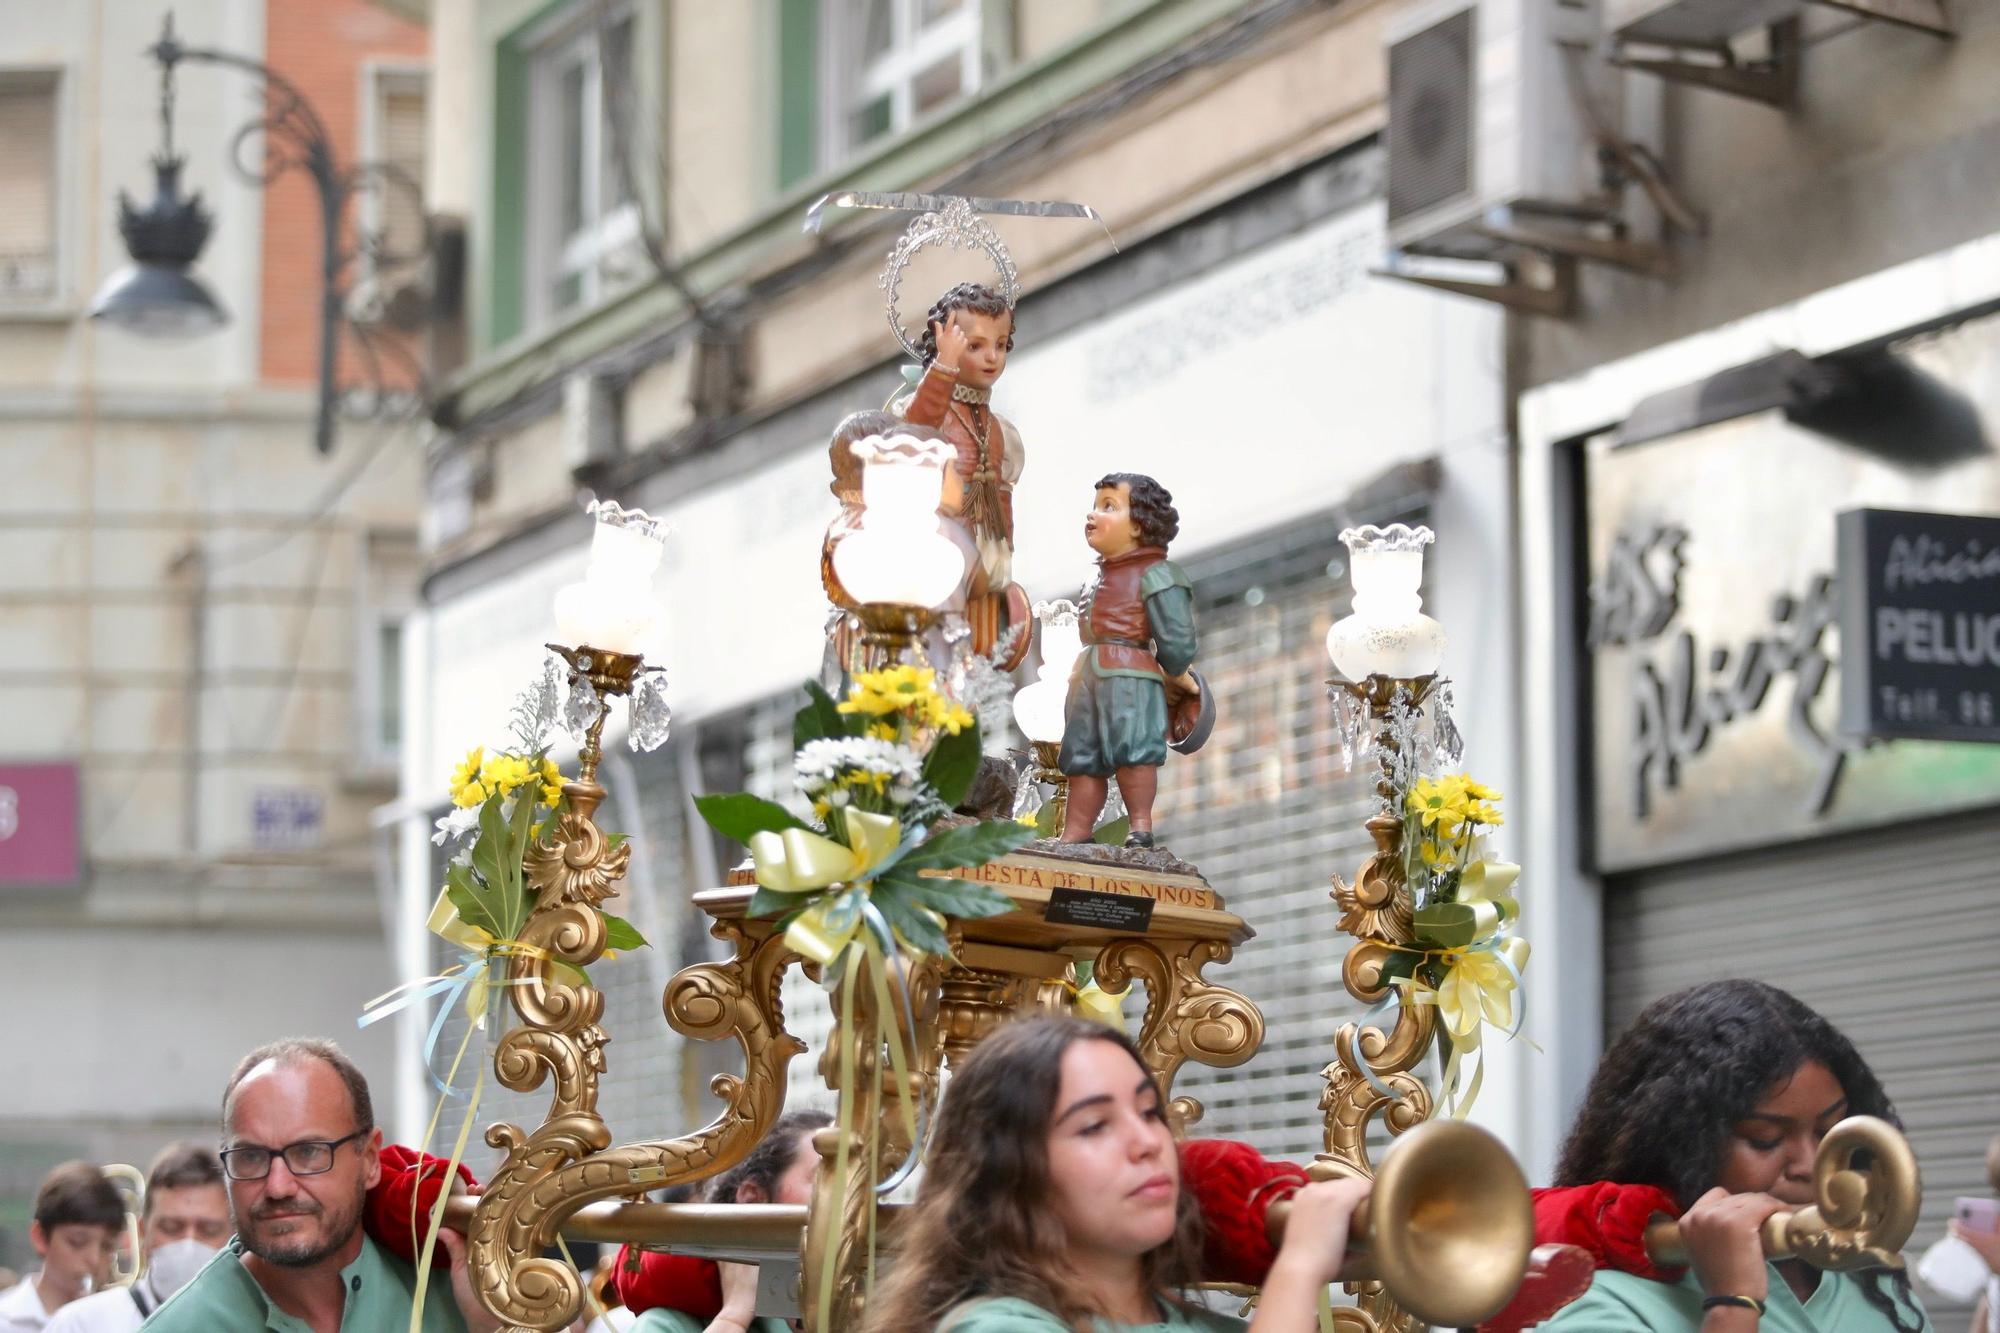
x=300 y=1149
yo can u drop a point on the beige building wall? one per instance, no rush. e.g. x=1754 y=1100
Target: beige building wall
x=186 y=598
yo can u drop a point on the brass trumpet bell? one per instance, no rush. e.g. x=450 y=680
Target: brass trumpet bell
x=1447 y=1228
x=1863 y=1215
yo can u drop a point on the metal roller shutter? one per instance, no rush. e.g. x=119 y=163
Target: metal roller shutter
x=1894 y=936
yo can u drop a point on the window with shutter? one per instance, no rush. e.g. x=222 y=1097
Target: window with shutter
x=887 y=64
x=397 y=132
x=28 y=187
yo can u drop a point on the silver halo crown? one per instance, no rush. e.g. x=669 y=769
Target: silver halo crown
x=956 y=227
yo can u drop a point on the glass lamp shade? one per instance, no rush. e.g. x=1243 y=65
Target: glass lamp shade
x=898 y=557
x=158 y=301
x=1038 y=708
x=613 y=608
x=1388 y=634
x=881 y=567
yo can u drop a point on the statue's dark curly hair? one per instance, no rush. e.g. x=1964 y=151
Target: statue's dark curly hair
x=1668 y=1093
x=976 y=297
x=1155 y=521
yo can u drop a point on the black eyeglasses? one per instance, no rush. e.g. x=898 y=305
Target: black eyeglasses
x=310 y=1157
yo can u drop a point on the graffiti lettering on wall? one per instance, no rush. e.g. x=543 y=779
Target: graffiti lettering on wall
x=1685 y=691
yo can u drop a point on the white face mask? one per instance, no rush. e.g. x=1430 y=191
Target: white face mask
x=172 y=1266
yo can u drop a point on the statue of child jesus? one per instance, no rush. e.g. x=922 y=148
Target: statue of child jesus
x=969 y=333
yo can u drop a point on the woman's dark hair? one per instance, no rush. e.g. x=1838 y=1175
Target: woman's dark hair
x=974 y=297
x=1667 y=1095
x=1155 y=521
x=771 y=1158
x=983 y=1209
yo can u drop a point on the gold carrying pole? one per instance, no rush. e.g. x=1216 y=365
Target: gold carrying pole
x=1863 y=1215
x=1446 y=1229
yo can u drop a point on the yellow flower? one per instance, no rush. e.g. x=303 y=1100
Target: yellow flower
x=465 y=778
x=883 y=731
x=552 y=780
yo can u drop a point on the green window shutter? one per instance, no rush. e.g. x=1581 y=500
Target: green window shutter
x=510 y=192
x=798 y=90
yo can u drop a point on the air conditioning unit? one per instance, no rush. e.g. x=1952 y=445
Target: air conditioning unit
x=1496 y=111
x=1695 y=23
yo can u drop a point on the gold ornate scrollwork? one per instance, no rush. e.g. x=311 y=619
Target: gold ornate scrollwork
x=1371 y=1075
x=1187 y=1017
x=567 y=1162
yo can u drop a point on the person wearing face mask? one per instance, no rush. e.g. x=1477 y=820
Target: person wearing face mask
x=78 y=1215
x=186 y=1219
x=1718 y=1097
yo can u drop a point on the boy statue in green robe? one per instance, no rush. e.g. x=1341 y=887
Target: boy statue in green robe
x=1139 y=642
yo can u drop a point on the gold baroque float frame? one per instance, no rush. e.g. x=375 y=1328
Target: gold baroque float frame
x=1018 y=962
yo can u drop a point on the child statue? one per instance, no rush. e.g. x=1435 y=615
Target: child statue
x=1140 y=645
x=964 y=348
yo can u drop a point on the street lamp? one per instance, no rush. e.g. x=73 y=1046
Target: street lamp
x=157 y=296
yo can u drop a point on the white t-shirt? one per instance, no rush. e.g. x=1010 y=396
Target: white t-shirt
x=113 y=1311
x=21 y=1309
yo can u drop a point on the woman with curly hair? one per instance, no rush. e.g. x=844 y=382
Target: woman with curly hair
x=1719 y=1096
x=1052 y=1202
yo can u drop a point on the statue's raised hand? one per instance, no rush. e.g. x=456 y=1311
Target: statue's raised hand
x=951 y=342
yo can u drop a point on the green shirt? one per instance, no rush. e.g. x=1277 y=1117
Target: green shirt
x=679 y=1321
x=1016 y=1316
x=1623 y=1303
x=224 y=1298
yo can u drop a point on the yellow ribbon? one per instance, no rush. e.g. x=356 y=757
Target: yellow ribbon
x=1099 y=1007
x=1480 y=987
x=801 y=861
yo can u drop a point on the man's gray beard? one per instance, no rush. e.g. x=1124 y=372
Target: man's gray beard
x=293 y=1255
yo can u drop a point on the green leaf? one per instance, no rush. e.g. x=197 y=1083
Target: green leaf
x=769 y=902
x=464 y=896
x=952 y=764
x=821 y=717
x=967 y=845
x=909 y=921
x=956 y=897
x=489 y=851
x=739 y=814
x=1114 y=833
x=516 y=902
x=621 y=934
x=613 y=841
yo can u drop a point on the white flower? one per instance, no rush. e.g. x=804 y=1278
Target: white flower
x=456 y=824
x=820 y=762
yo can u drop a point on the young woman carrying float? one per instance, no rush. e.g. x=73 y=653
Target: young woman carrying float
x=1052 y=1200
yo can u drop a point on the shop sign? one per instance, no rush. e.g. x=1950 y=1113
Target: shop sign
x=1920 y=625
x=286 y=819
x=1715 y=645
x=39 y=826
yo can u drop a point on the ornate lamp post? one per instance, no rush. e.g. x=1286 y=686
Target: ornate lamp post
x=156 y=295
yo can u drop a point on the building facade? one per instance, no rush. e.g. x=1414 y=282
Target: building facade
x=199 y=708
x=1689 y=443
x=1235 y=345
